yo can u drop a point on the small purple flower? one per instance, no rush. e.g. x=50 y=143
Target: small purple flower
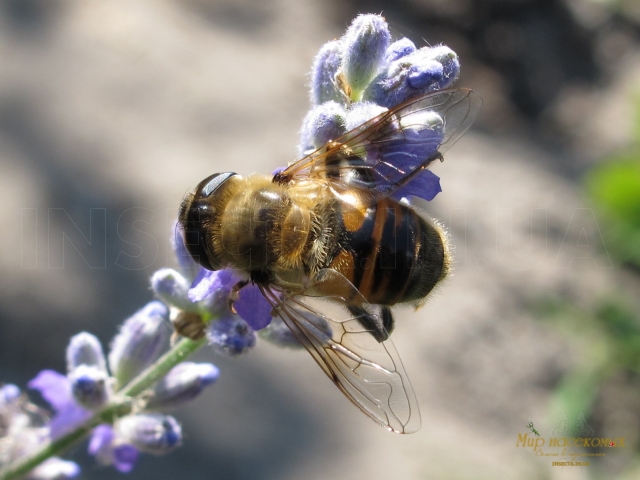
x=231 y=336
x=364 y=46
x=109 y=450
x=55 y=388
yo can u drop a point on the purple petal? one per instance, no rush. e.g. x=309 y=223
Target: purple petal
x=67 y=419
x=55 y=388
x=208 y=281
x=101 y=438
x=425 y=185
x=253 y=307
x=125 y=458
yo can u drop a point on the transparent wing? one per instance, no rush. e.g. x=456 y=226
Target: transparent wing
x=385 y=152
x=369 y=373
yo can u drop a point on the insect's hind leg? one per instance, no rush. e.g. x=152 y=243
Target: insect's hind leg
x=377 y=319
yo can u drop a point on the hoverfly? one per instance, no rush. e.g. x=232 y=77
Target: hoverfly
x=331 y=227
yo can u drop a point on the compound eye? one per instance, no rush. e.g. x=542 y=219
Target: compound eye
x=210 y=184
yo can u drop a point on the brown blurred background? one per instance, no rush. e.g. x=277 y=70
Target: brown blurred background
x=111 y=111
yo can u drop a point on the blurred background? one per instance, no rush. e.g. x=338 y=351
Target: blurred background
x=111 y=111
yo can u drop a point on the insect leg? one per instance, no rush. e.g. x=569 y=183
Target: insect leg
x=380 y=323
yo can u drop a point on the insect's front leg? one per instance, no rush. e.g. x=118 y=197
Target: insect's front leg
x=235 y=293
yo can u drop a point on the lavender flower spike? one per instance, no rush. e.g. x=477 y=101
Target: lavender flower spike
x=364 y=47
x=141 y=340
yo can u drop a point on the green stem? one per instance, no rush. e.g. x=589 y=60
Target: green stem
x=180 y=351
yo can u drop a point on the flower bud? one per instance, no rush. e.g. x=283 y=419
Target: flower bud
x=90 y=386
x=187 y=265
x=362 y=112
x=231 y=336
x=9 y=393
x=172 y=288
x=141 y=340
x=85 y=349
x=54 y=468
x=109 y=450
x=399 y=49
x=183 y=383
x=323 y=123
x=150 y=433
x=278 y=333
x=325 y=67
x=412 y=75
x=364 y=46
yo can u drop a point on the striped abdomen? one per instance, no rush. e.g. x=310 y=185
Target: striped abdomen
x=390 y=253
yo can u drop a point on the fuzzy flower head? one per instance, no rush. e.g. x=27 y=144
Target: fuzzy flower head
x=364 y=74
x=366 y=65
